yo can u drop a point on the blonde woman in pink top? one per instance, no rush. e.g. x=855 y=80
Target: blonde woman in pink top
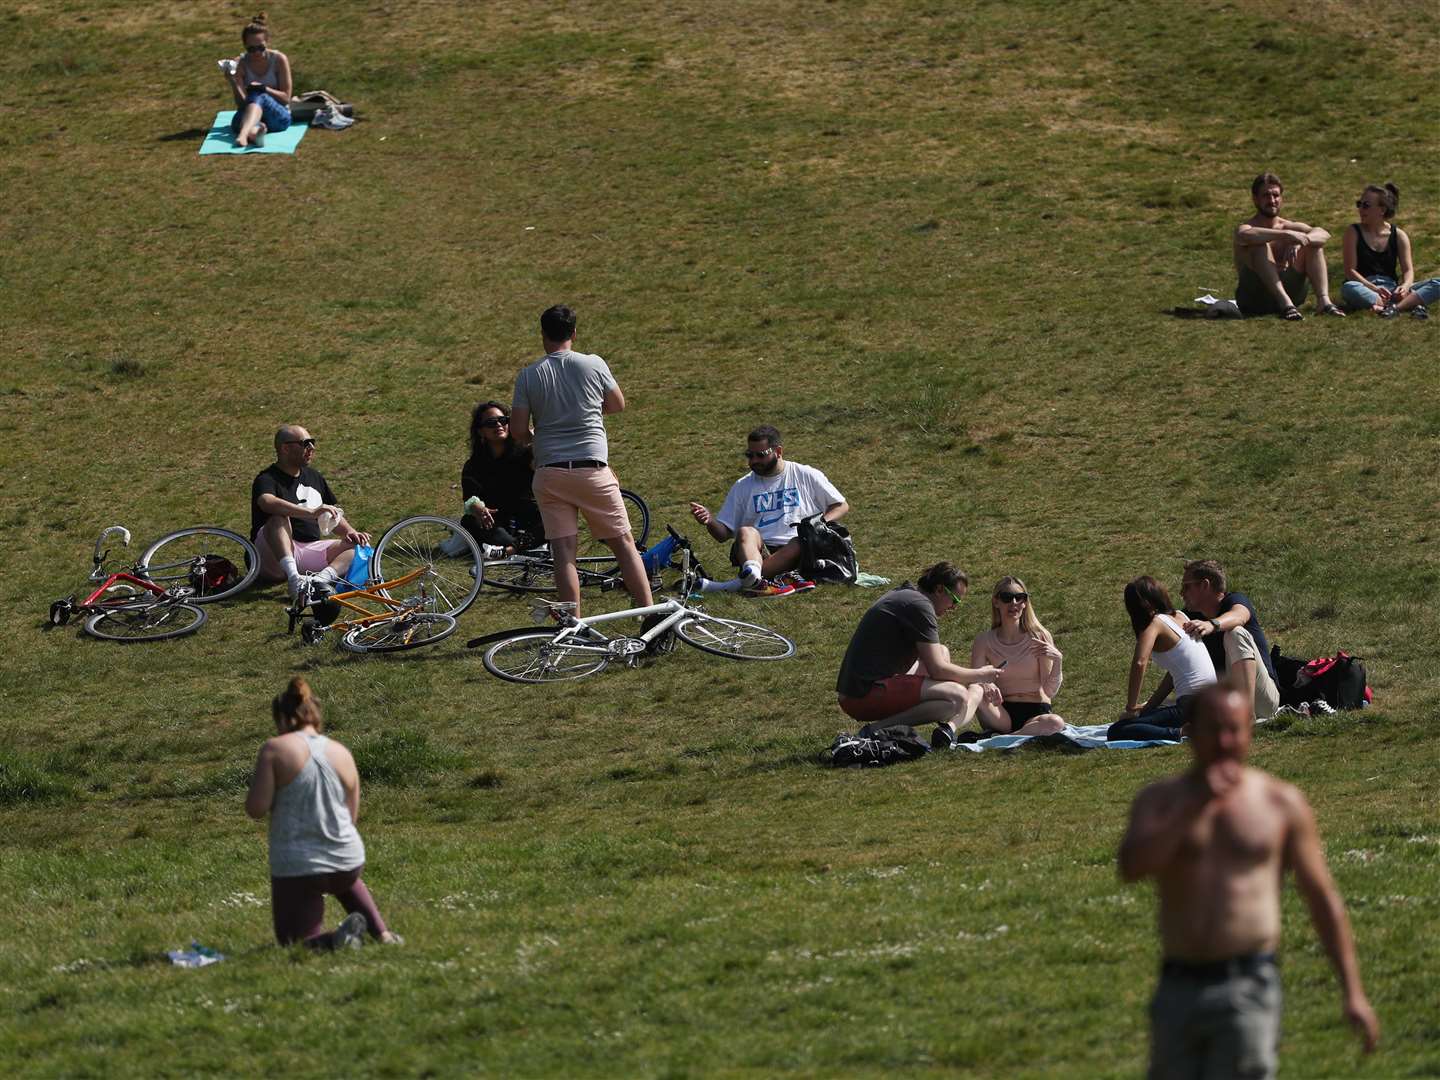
x=1029 y=661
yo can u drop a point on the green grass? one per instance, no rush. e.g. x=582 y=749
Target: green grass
x=934 y=245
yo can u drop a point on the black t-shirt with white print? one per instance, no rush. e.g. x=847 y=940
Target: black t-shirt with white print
x=309 y=490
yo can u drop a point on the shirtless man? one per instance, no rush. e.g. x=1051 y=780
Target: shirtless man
x=1217 y=840
x=1277 y=259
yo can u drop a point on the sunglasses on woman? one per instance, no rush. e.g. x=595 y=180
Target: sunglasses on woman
x=255 y=47
x=1012 y=597
x=1361 y=204
x=496 y=421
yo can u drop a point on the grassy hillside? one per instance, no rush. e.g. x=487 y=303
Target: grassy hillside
x=936 y=245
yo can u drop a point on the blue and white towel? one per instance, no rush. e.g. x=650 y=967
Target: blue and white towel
x=1088 y=737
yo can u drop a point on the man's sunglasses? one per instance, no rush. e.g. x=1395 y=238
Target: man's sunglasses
x=309 y=444
x=757 y=455
x=1012 y=597
x=496 y=421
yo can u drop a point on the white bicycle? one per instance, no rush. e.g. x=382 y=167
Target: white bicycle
x=579 y=647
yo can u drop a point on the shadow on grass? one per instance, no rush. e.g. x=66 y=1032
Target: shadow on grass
x=194 y=134
x=335 y=657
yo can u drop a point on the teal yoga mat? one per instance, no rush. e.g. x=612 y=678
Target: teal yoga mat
x=219 y=141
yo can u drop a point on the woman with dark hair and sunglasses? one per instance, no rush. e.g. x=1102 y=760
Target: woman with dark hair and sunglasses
x=1379 y=267
x=259 y=79
x=1159 y=634
x=1029 y=661
x=497 y=476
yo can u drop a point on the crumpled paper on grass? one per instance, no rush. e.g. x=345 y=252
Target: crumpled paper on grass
x=197 y=956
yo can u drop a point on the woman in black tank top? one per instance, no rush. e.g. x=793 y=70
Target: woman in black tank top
x=1379 y=268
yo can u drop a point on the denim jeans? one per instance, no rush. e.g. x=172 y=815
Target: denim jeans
x=1161 y=722
x=273 y=115
x=1357 y=297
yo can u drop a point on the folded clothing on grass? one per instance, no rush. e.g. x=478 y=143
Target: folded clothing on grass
x=218 y=139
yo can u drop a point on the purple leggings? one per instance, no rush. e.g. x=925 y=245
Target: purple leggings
x=298 y=905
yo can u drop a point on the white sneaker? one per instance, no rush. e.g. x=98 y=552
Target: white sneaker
x=314 y=584
x=258 y=139
x=492 y=551
x=350 y=934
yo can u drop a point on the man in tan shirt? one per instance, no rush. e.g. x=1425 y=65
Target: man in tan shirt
x=1218 y=840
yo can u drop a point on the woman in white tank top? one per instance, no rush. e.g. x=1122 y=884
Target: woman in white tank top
x=1159 y=636
x=308 y=786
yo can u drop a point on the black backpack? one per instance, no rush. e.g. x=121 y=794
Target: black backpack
x=886 y=747
x=1339 y=680
x=826 y=553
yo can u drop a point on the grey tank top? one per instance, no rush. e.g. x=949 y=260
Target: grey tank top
x=270 y=78
x=310 y=827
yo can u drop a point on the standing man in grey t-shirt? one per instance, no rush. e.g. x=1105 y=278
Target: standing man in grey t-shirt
x=566 y=394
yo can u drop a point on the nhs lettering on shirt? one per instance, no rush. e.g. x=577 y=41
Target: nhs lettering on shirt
x=770 y=506
x=779 y=499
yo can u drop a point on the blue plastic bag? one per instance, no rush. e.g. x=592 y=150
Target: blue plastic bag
x=359 y=572
x=657 y=557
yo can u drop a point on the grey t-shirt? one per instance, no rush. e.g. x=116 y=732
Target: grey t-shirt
x=564 y=392
x=884 y=642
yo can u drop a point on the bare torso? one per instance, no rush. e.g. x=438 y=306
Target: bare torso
x=1220 y=895
x=1283 y=250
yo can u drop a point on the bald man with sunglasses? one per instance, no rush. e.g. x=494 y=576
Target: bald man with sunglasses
x=288 y=501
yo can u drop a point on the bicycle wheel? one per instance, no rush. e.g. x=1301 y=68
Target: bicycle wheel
x=415 y=542
x=215 y=562
x=536 y=658
x=408 y=631
x=146 y=622
x=521 y=574
x=737 y=640
x=639 y=514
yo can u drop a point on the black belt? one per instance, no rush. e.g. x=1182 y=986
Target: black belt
x=587 y=463
x=1216 y=970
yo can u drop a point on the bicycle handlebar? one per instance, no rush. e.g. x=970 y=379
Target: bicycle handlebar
x=101 y=556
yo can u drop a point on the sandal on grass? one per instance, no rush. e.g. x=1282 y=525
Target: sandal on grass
x=1329 y=309
x=1291 y=314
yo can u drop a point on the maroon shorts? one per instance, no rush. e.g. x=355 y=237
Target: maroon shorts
x=885 y=698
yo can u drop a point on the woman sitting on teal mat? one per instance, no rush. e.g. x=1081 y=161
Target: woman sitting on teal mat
x=260 y=80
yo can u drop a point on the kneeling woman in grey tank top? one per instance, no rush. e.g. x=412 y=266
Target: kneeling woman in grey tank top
x=308 y=785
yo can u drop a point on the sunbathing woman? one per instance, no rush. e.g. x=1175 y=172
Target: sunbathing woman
x=1158 y=634
x=1379 y=268
x=499 y=474
x=310 y=788
x=1031 y=664
x=259 y=78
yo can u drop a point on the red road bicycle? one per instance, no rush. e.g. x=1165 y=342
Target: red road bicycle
x=160 y=596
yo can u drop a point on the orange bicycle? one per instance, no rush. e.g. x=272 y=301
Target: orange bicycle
x=406 y=619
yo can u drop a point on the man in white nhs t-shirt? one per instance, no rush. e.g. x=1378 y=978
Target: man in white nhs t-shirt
x=761 y=511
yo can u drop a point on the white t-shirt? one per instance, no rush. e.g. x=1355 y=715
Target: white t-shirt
x=773 y=504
